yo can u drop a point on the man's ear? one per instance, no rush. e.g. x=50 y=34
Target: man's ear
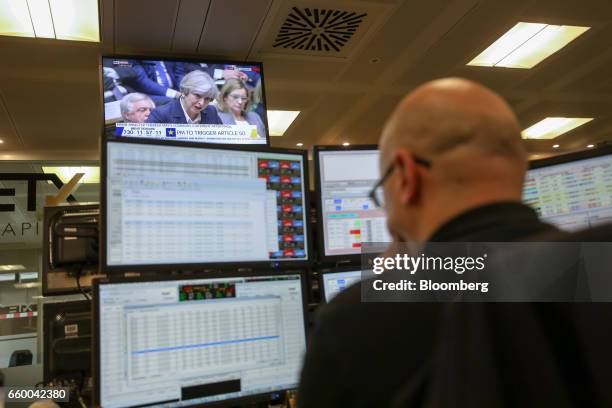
x=410 y=182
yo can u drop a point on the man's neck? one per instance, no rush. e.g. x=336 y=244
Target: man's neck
x=441 y=211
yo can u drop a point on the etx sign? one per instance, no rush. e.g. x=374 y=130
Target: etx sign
x=32 y=179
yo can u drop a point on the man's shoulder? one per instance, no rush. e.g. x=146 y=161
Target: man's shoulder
x=165 y=111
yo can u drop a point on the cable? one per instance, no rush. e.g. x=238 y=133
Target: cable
x=78 y=281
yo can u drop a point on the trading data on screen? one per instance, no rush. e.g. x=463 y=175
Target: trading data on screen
x=572 y=195
x=336 y=282
x=349 y=216
x=179 y=205
x=196 y=341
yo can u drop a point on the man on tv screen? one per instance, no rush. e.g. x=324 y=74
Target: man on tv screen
x=197 y=90
x=136 y=107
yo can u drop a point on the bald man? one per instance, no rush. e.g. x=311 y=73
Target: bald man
x=449 y=147
x=452 y=165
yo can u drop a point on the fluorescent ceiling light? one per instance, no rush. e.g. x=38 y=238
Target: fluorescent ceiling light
x=550 y=128
x=92 y=174
x=61 y=19
x=28 y=285
x=11 y=268
x=591 y=146
x=40 y=12
x=527 y=44
x=279 y=121
x=28 y=275
x=7 y=277
x=15 y=19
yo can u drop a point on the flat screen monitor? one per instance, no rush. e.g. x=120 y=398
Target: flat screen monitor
x=572 y=191
x=347 y=216
x=191 y=100
x=194 y=341
x=172 y=205
x=337 y=282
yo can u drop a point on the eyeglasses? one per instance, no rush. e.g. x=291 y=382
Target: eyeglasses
x=377 y=193
x=238 y=97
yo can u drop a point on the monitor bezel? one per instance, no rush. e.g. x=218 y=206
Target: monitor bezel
x=337 y=260
x=329 y=271
x=194 y=59
x=571 y=157
x=280 y=264
x=161 y=278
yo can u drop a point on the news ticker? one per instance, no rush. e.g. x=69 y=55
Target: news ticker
x=238 y=134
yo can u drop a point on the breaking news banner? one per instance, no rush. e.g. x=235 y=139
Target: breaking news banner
x=487 y=272
x=231 y=134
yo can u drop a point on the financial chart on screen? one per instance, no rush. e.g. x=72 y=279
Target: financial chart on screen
x=188 y=342
x=349 y=216
x=184 y=205
x=337 y=282
x=572 y=195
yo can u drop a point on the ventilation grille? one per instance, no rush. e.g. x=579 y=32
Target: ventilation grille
x=318 y=29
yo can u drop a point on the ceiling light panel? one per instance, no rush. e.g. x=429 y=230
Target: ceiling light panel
x=527 y=44
x=11 y=268
x=15 y=19
x=279 y=121
x=75 y=20
x=550 y=128
x=41 y=18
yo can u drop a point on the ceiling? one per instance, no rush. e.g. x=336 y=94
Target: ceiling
x=50 y=103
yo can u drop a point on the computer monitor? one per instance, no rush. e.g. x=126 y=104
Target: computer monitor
x=572 y=191
x=334 y=282
x=189 y=341
x=172 y=205
x=197 y=100
x=347 y=217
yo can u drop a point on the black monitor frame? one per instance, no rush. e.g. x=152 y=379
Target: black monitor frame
x=337 y=260
x=159 y=278
x=193 y=59
x=571 y=157
x=253 y=266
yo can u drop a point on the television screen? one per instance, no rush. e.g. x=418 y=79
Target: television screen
x=573 y=191
x=170 y=204
x=185 y=100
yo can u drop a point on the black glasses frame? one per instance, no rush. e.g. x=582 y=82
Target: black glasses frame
x=381 y=181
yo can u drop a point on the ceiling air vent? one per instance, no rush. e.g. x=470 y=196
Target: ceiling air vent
x=312 y=29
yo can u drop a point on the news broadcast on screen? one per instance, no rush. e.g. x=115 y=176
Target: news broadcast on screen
x=184 y=100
